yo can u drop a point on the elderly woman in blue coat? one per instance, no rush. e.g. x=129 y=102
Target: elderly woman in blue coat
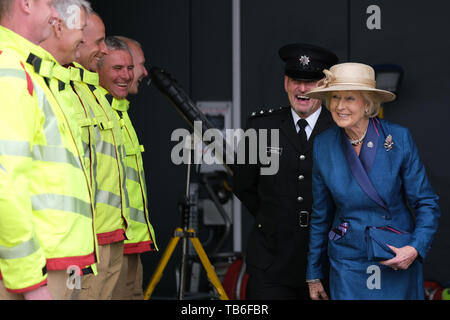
x=374 y=211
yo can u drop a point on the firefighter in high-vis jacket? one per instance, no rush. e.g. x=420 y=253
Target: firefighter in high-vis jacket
x=47 y=231
x=130 y=282
x=114 y=70
x=75 y=87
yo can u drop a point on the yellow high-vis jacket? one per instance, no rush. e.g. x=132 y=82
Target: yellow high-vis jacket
x=111 y=197
x=71 y=87
x=46 y=206
x=143 y=239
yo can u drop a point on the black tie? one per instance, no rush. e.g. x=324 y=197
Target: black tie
x=302 y=123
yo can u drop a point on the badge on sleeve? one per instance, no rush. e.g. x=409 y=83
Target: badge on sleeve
x=272 y=150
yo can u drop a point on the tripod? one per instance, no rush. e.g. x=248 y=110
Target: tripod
x=185 y=234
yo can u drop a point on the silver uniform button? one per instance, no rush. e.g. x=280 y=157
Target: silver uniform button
x=300 y=177
x=300 y=199
x=302 y=157
x=259 y=226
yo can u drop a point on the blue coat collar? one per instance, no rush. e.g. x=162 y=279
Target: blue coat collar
x=361 y=166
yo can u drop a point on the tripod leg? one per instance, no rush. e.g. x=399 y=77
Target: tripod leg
x=160 y=268
x=209 y=269
x=184 y=243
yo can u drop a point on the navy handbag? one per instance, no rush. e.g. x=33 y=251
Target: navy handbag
x=379 y=237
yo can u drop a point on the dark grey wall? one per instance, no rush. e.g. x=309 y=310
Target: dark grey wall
x=412 y=35
x=192 y=39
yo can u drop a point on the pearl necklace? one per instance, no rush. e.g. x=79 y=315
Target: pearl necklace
x=358 y=141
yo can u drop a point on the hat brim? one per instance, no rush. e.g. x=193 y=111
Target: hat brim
x=299 y=75
x=322 y=93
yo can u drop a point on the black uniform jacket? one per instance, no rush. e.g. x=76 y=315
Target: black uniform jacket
x=277 y=244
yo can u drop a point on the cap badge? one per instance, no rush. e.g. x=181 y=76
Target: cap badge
x=304 y=60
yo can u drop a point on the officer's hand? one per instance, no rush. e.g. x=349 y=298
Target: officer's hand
x=41 y=293
x=317 y=292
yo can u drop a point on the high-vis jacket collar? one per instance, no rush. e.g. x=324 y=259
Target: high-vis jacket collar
x=81 y=74
x=11 y=40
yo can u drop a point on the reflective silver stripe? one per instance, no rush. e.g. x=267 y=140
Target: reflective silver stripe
x=42 y=153
x=13 y=73
x=52 y=134
x=137 y=215
x=55 y=154
x=61 y=203
x=121 y=150
x=20 y=251
x=2 y=168
x=86 y=149
x=132 y=174
x=15 y=148
x=106 y=148
x=51 y=129
x=144 y=183
x=108 y=198
x=94 y=168
x=127 y=197
x=51 y=123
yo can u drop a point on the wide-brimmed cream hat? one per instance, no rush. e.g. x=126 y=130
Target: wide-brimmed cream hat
x=349 y=76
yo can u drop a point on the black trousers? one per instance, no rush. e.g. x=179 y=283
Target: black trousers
x=261 y=288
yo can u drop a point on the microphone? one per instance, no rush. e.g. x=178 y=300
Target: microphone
x=186 y=107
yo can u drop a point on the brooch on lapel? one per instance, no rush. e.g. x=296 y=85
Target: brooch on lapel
x=388 y=143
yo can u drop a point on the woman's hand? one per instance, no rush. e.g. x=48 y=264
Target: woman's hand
x=316 y=291
x=404 y=257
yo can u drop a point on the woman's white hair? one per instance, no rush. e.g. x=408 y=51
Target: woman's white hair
x=68 y=11
x=372 y=107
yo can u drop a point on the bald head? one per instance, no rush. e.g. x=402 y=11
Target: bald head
x=93 y=47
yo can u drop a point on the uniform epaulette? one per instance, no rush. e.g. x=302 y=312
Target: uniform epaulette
x=266 y=112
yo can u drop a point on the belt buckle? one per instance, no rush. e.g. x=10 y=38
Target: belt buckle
x=304 y=219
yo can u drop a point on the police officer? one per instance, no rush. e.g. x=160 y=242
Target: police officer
x=281 y=203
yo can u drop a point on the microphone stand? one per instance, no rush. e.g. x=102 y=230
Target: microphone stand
x=185 y=208
x=185 y=233
x=186 y=107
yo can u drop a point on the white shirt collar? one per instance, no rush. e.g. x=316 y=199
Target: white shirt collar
x=312 y=120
